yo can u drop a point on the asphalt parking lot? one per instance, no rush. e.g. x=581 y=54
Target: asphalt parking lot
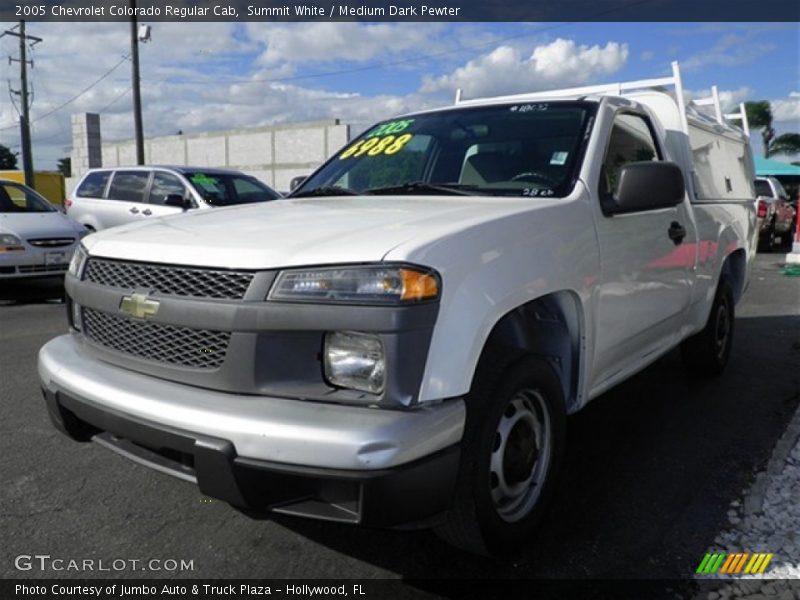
x=651 y=469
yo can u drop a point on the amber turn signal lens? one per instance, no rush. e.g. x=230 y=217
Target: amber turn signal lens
x=418 y=286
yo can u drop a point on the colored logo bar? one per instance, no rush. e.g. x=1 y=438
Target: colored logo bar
x=735 y=563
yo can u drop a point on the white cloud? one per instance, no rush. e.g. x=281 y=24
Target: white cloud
x=215 y=76
x=787 y=109
x=729 y=51
x=647 y=55
x=507 y=70
x=325 y=42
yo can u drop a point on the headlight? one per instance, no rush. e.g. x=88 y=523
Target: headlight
x=359 y=285
x=78 y=261
x=355 y=360
x=10 y=243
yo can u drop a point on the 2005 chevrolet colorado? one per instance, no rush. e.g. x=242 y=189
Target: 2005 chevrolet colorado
x=399 y=342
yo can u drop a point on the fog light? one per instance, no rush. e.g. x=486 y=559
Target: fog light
x=355 y=360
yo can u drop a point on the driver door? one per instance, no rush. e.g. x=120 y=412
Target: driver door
x=164 y=185
x=646 y=267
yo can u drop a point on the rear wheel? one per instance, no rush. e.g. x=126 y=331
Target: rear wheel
x=767 y=241
x=512 y=450
x=707 y=352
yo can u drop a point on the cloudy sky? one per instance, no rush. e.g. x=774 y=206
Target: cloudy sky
x=212 y=76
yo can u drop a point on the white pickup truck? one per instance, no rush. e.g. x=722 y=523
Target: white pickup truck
x=399 y=342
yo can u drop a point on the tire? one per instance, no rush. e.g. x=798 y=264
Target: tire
x=766 y=243
x=706 y=353
x=511 y=453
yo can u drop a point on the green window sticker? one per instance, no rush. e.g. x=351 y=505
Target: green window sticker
x=202 y=179
x=391 y=127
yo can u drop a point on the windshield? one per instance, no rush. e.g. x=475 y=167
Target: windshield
x=16 y=198
x=223 y=189
x=763 y=189
x=526 y=149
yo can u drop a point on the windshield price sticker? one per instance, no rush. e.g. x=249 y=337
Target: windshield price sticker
x=525 y=108
x=537 y=192
x=377 y=146
x=390 y=127
x=202 y=179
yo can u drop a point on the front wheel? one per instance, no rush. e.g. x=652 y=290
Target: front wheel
x=512 y=450
x=707 y=352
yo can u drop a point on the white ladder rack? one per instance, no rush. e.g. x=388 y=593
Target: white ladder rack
x=619 y=89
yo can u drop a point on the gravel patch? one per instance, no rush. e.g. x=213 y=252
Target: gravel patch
x=766 y=519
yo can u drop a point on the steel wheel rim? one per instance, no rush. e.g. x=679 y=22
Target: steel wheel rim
x=520 y=457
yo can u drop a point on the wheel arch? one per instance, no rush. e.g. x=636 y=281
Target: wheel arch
x=734 y=268
x=90 y=223
x=551 y=327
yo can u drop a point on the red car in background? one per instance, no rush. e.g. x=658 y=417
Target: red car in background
x=775 y=213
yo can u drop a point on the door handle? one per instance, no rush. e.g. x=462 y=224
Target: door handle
x=134 y=210
x=676 y=232
x=147 y=212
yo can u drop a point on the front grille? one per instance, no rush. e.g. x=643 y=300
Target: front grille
x=51 y=242
x=43 y=268
x=198 y=348
x=179 y=281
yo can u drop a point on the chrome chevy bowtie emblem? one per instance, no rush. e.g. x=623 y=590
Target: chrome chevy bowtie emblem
x=139 y=306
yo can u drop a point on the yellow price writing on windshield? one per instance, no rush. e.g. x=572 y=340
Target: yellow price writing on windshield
x=377 y=146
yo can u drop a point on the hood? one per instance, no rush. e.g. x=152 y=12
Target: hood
x=286 y=233
x=39 y=225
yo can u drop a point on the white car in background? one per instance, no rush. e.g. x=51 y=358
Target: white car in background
x=110 y=197
x=36 y=239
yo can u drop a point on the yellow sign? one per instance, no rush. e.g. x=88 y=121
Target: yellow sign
x=376 y=146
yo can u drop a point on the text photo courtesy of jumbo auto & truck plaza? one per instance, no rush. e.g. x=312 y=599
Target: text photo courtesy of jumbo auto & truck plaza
x=429 y=299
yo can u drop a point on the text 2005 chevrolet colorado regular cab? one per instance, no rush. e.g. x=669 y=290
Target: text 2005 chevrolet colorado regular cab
x=399 y=342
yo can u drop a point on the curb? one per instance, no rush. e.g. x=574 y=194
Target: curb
x=754 y=501
x=762 y=588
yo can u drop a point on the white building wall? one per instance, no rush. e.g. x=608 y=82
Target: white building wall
x=274 y=154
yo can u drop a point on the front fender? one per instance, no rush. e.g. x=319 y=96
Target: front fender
x=491 y=268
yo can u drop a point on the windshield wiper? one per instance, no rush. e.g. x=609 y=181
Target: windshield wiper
x=456 y=189
x=325 y=190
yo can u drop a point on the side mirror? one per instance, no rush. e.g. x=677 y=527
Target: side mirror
x=296 y=182
x=177 y=201
x=646 y=186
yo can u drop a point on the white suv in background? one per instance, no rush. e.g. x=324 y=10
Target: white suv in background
x=109 y=197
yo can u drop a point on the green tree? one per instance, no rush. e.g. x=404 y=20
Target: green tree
x=759 y=115
x=8 y=159
x=65 y=166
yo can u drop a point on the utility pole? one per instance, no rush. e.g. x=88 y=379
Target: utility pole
x=24 y=112
x=135 y=81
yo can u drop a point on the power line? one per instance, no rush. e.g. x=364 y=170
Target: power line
x=75 y=97
x=115 y=100
x=25 y=98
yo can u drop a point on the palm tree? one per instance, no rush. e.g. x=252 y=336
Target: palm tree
x=8 y=159
x=759 y=115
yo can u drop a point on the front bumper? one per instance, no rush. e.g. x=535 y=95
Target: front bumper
x=346 y=463
x=35 y=262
